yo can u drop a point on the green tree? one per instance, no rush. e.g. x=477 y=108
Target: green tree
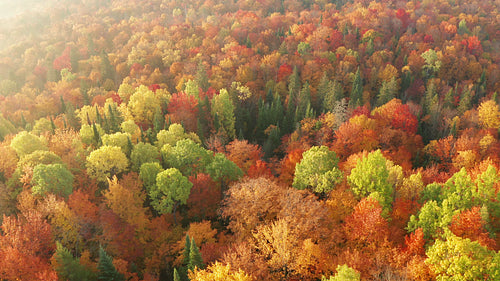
x=372 y=175
x=356 y=97
x=107 y=271
x=118 y=139
x=459 y=258
x=148 y=173
x=174 y=134
x=171 y=190
x=387 y=92
x=52 y=178
x=106 y=162
x=143 y=153
x=25 y=143
x=344 y=273
x=177 y=277
x=223 y=108
x=69 y=268
x=317 y=170
x=195 y=260
x=88 y=134
x=187 y=156
x=432 y=218
x=223 y=170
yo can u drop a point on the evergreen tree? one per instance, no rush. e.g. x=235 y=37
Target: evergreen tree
x=177 y=277
x=356 y=91
x=201 y=77
x=69 y=267
x=195 y=260
x=63 y=104
x=387 y=91
x=97 y=136
x=465 y=101
x=304 y=103
x=107 y=271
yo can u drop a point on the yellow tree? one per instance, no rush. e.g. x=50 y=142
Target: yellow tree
x=219 y=272
x=143 y=104
x=106 y=162
x=489 y=115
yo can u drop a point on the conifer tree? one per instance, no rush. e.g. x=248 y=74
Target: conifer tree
x=107 y=271
x=177 y=277
x=356 y=91
x=387 y=91
x=195 y=260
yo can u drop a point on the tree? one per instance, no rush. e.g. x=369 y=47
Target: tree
x=174 y=134
x=107 y=270
x=356 y=96
x=462 y=259
x=52 y=178
x=489 y=114
x=187 y=156
x=119 y=139
x=183 y=108
x=387 y=92
x=127 y=202
x=344 y=273
x=143 y=153
x=223 y=171
x=219 y=272
x=251 y=202
x=177 y=277
x=195 y=260
x=69 y=267
x=171 y=190
x=223 y=114
x=148 y=173
x=25 y=143
x=106 y=162
x=317 y=170
x=143 y=104
x=372 y=176
x=243 y=153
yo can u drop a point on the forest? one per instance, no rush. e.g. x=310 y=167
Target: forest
x=250 y=140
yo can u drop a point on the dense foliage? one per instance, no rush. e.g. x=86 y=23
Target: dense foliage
x=250 y=140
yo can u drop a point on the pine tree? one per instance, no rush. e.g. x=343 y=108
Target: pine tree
x=356 y=91
x=387 y=91
x=63 y=104
x=177 y=277
x=324 y=90
x=187 y=248
x=465 y=101
x=195 y=260
x=201 y=77
x=107 y=270
x=97 y=136
x=304 y=103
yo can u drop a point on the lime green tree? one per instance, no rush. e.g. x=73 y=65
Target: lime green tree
x=171 y=190
x=371 y=176
x=223 y=114
x=317 y=170
x=106 y=162
x=344 y=273
x=25 y=143
x=52 y=178
x=457 y=258
x=187 y=156
x=143 y=153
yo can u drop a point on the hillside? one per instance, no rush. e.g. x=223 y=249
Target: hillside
x=250 y=140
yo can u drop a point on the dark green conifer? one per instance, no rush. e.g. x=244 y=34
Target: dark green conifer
x=107 y=271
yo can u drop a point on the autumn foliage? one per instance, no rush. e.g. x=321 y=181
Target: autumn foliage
x=250 y=140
